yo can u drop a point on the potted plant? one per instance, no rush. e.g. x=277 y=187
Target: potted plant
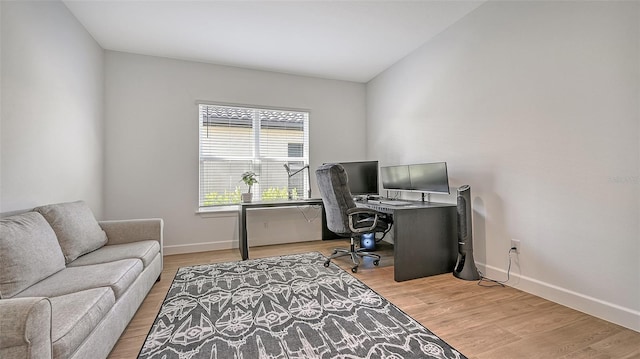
x=249 y=178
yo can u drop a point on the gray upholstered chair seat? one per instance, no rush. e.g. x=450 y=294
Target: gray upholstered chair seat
x=363 y=218
x=75 y=315
x=117 y=275
x=143 y=250
x=380 y=226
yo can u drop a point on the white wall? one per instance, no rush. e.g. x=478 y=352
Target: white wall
x=152 y=143
x=52 y=108
x=536 y=106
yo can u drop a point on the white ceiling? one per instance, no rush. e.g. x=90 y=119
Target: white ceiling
x=344 y=40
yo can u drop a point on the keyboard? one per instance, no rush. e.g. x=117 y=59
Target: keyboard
x=394 y=203
x=380 y=208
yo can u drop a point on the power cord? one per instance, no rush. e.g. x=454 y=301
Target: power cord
x=494 y=282
x=310 y=219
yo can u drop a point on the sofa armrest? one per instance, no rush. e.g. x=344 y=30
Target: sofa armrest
x=133 y=230
x=25 y=328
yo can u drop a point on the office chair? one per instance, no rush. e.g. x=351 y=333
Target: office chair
x=344 y=218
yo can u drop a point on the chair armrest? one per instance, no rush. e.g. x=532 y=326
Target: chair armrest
x=25 y=328
x=359 y=210
x=354 y=213
x=133 y=230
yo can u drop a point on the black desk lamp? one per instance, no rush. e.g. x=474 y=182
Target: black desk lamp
x=286 y=167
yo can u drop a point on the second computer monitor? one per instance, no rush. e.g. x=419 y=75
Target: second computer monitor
x=395 y=177
x=362 y=177
x=429 y=177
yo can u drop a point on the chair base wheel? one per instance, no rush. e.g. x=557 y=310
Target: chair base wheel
x=354 y=269
x=326 y=263
x=376 y=262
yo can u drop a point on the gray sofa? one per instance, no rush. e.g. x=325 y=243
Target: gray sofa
x=69 y=285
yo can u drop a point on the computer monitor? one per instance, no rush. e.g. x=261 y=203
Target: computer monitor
x=395 y=177
x=362 y=177
x=429 y=177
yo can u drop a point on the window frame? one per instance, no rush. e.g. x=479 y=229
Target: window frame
x=257 y=159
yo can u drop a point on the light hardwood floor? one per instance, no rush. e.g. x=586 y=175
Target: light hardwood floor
x=480 y=322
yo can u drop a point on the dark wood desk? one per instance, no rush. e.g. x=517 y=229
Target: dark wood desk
x=425 y=238
x=242 y=218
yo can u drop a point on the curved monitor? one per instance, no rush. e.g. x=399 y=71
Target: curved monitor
x=424 y=177
x=362 y=177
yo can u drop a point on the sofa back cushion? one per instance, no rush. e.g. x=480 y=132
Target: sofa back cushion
x=29 y=252
x=77 y=230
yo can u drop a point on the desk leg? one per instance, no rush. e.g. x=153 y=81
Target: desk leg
x=242 y=232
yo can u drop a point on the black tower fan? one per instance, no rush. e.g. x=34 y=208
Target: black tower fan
x=465 y=265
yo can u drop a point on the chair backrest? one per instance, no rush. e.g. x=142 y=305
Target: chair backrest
x=336 y=197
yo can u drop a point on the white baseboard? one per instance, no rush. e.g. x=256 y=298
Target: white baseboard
x=611 y=312
x=199 y=247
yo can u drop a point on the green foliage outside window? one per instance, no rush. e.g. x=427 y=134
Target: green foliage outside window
x=227 y=198
x=294 y=193
x=217 y=199
x=275 y=193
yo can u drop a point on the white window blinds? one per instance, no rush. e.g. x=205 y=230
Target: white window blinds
x=234 y=140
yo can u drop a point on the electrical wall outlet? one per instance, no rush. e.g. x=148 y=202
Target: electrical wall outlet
x=515 y=243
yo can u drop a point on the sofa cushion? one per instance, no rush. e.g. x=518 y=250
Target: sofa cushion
x=77 y=229
x=75 y=315
x=29 y=252
x=143 y=250
x=117 y=275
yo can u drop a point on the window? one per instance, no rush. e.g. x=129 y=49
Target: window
x=234 y=140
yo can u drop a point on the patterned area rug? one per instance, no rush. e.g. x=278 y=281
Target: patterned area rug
x=283 y=307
